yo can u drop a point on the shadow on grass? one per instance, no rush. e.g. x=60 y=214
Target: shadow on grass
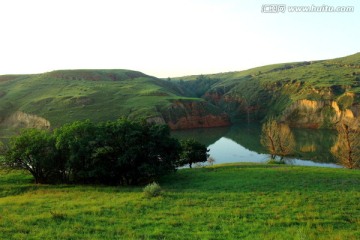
x=17 y=182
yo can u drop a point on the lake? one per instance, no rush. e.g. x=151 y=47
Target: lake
x=241 y=143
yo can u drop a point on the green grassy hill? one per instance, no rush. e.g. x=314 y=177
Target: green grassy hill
x=272 y=89
x=332 y=86
x=246 y=201
x=99 y=95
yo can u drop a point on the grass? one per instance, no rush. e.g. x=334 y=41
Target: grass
x=271 y=89
x=100 y=95
x=246 y=201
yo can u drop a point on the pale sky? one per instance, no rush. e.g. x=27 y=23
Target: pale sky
x=169 y=38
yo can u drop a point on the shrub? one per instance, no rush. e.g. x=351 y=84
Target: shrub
x=58 y=215
x=152 y=190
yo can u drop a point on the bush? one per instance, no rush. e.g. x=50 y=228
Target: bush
x=120 y=152
x=152 y=190
x=58 y=215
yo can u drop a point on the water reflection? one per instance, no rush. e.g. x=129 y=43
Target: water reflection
x=241 y=143
x=315 y=144
x=227 y=150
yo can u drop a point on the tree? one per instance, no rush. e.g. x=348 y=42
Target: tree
x=140 y=151
x=34 y=150
x=162 y=151
x=76 y=143
x=278 y=139
x=192 y=152
x=347 y=147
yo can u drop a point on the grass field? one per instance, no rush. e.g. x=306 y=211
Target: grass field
x=246 y=201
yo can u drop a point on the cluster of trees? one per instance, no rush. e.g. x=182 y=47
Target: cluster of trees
x=120 y=152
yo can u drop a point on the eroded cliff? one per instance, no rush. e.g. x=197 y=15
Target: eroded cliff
x=24 y=120
x=322 y=113
x=183 y=114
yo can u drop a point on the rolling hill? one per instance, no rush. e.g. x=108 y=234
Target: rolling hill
x=55 y=98
x=313 y=94
x=305 y=94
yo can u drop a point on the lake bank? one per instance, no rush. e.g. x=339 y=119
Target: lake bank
x=241 y=143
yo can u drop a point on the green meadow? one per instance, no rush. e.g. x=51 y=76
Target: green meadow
x=238 y=201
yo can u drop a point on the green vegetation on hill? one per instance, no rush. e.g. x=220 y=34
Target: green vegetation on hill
x=99 y=95
x=270 y=89
x=246 y=201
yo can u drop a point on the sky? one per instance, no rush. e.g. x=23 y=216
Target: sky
x=170 y=38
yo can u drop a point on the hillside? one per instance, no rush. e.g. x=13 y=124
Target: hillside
x=54 y=98
x=314 y=94
x=246 y=201
x=305 y=94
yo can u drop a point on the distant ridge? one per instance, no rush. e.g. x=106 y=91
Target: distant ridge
x=284 y=90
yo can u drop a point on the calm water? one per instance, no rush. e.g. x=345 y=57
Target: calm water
x=241 y=143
